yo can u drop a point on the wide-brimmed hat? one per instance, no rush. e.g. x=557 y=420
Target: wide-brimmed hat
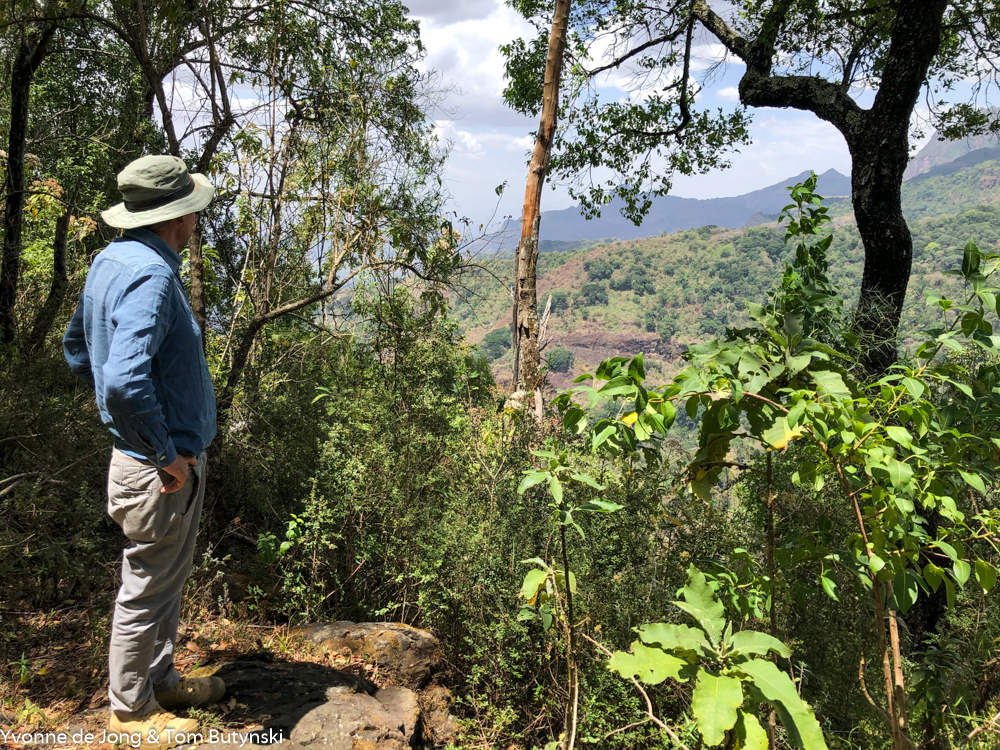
x=155 y=189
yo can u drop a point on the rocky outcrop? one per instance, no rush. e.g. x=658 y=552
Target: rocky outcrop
x=436 y=704
x=407 y=654
x=306 y=705
x=303 y=705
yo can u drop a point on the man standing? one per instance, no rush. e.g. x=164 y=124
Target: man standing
x=135 y=340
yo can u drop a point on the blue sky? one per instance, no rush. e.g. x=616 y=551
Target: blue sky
x=490 y=142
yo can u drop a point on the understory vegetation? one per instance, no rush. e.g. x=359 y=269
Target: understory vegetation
x=382 y=476
x=742 y=539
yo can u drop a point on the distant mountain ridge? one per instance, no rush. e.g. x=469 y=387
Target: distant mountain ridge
x=658 y=294
x=937 y=153
x=670 y=213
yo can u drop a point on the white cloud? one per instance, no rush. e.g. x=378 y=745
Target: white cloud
x=462 y=142
x=728 y=94
x=445 y=12
x=466 y=53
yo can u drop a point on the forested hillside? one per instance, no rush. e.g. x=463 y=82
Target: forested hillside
x=659 y=294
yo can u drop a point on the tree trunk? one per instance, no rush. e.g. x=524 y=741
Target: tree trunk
x=876 y=186
x=30 y=54
x=60 y=281
x=526 y=355
x=240 y=358
x=196 y=266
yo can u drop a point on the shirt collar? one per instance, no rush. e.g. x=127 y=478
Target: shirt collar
x=153 y=240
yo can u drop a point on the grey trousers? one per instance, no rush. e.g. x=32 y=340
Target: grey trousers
x=161 y=529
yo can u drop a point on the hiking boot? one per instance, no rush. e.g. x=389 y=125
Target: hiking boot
x=157 y=729
x=191 y=692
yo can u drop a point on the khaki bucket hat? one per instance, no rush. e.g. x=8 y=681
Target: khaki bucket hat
x=157 y=188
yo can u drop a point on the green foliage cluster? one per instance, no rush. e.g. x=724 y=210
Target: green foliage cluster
x=496 y=343
x=560 y=359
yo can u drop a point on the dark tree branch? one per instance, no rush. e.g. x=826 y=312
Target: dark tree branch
x=672 y=36
x=722 y=31
x=823 y=98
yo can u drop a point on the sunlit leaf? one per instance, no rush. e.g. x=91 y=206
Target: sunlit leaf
x=714 y=705
x=650 y=665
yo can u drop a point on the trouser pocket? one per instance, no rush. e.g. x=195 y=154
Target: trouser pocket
x=135 y=502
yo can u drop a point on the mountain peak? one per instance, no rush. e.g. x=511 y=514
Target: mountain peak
x=670 y=213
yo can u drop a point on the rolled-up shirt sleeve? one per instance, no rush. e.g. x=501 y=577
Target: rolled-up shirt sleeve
x=75 y=346
x=141 y=319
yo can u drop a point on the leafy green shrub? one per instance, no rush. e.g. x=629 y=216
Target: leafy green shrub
x=560 y=300
x=594 y=294
x=496 y=343
x=730 y=683
x=560 y=359
x=620 y=281
x=598 y=269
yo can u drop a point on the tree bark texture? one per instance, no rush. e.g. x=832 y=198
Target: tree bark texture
x=196 y=271
x=527 y=360
x=31 y=52
x=60 y=279
x=878 y=139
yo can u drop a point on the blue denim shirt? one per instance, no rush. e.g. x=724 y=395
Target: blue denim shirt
x=135 y=340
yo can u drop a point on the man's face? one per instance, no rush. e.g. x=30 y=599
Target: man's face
x=187 y=227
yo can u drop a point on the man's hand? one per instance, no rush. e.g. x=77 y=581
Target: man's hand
x=179 y=470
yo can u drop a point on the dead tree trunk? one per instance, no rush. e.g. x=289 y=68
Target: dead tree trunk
x=33 y=48
x=527 y=361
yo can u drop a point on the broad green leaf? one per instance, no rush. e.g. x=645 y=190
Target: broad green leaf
x=831 y=382
x=914 y=387
x=900 y=473
x=829 y=586
x=946 y=548
x=780 y=433
x=600 y=506
x=900 y=434
x=796 y=365
x=949 y=590
x=750 y=735
x=533 y=580
x=974 y=481
x=602 y=436
x=970 y=259
x=933 y=575
x=714 y=705
x=701 y=603
x=669 y=636
x=962 y=571
x=575 y=421
x=986 y=574
x=905 y=589
x=796 y=716
x=651 y=665
x=587 y=479
x=669 y=412
x=531 y=478
x=635 y=369
x=617 y=386
x=555 y=487
x=754 y=642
